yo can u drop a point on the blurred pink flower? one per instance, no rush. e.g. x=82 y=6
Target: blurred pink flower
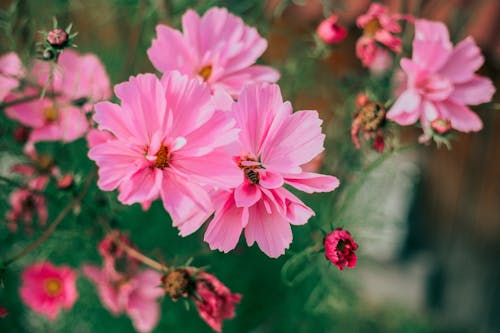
x=3 y=312
x=168 y=141
x=217 y=48
x=330 y=31
x=136 y=295
x=215 y=302
x=340 y=249
x=441 y=81
x=47 y=289
x=379 y=25
x=78 y=81
x=11 y=70
x=273 y=144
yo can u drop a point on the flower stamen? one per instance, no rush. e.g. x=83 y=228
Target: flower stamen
x=162 y=158
x=52 y=286
x=205 y=72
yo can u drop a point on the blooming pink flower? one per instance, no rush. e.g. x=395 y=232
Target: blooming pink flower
x=78 y=81
x=168 y=141
x=135 y=295
x=215 y=302
x=217 y=48
x=441 y=81
x=330 y=31
x=11 y=70
x=340 y=248
x=273 y=144
x=47 y=289
x=379 y=25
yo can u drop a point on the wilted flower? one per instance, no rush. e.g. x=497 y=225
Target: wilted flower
x=330 y=31
x=273 y=144
x=217 y=48
x=167 y=142
x=47 y=289
x=340 y=248
x=441 y=81
x=369 y=121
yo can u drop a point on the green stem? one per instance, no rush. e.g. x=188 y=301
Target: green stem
x=52 y=227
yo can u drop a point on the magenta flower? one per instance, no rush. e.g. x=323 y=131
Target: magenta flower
x=340 y=249
x=440 y=81
x=215 y=302
x=47 y=289
x=135 y=295
x=217 y=48
x=11 y=70
x=168 y=141
x=273 y=144
x=78 y=82
x=330 y=31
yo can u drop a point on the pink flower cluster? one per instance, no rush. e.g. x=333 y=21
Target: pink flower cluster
x=183 y=139
x=123 y=288
x=69 y=90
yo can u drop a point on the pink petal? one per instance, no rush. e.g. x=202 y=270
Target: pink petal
x=225 y=229
x=461 y=117
x=271 y=231
x=270 y=180
x=431 y=45
x=234 y=82
x=405 y=110
x=310 y=182
x=465 y=59
x=473 y=92
x=112 y=118
x=247 y=194
x=142 y=186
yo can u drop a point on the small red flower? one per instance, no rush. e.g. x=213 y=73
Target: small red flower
x=340 y=248
x=330 y=31
x=3 y=312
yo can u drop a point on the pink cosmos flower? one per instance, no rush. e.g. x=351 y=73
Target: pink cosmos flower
x=11 y=70
x=217 y=48
x=273 y=144
x=47 y=289
x=215 y=302
x=330 y=31
x=379 y=25
x=78 y=81
x=440 y=81
x=168 y=141
x=340 y=249
x=135 y=295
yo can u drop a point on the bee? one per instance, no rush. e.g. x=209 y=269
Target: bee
x=253 y=176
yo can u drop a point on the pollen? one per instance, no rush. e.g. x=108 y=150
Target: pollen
x=162 y=158
x=50 y=114
x=52 y=286
x=249 y=170
x=372 y=27
x=205 y=72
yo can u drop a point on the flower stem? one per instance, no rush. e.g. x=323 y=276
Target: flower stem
x=52 y=227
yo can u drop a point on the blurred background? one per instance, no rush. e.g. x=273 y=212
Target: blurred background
x=427 y=220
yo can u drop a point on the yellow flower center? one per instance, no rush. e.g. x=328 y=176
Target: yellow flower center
x=162 y=158
x=50 y=114
x=372 y=27
x=205 y=72
x=249 y=170
x=52 y=286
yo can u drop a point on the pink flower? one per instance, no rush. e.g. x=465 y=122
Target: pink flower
x=135 y=295
x=217 y=48
x=215 y=302
x=168 y=141
x=11 y=70
x=340 y=249
x=78 y=81
x=441 y=81
x=379 y=25
x=330 y=31
x=273 y=144
x=47 y=289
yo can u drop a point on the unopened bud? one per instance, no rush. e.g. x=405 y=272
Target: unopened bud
x=441 y=126
x=57 y=38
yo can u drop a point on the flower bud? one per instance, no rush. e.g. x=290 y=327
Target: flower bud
x=441 y=126
x=330 y=31
x=58 y=38
x=65 y=181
